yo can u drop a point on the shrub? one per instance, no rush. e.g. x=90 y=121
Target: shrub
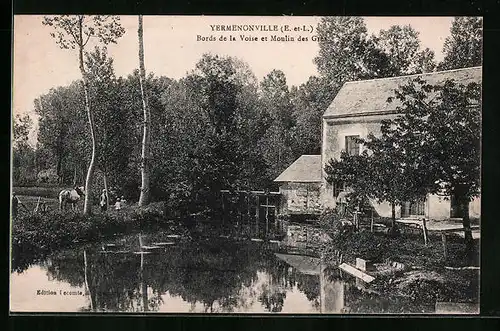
x=335 y=225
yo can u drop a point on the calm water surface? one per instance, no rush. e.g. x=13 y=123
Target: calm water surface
x=203 y=276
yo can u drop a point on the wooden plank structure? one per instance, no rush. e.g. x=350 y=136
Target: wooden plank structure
x=356 y=273
x=247 y=200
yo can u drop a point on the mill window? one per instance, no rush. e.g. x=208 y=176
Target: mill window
x=351 y=145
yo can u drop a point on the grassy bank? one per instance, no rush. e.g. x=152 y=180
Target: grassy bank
x=427 y=276
x=38 y=234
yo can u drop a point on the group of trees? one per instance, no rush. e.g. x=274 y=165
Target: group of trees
x=217 y=127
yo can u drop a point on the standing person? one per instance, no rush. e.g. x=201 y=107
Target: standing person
x=118 y=205
x=15 y=205
x=103 y=201
x=123 y=201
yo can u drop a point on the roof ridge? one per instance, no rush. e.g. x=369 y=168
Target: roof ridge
x=412 y=75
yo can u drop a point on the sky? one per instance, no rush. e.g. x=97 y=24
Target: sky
x=171 y=48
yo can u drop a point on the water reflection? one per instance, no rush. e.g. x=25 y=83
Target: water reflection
x=208 y=276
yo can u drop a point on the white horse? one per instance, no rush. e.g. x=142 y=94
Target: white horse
x=71 y=196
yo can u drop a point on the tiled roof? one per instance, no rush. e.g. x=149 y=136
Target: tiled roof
x=364 y=96
x=306 y=168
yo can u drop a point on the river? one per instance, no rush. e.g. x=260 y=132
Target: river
x=178 y=275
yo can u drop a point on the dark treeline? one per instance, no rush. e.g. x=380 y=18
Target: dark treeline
x=216 y=128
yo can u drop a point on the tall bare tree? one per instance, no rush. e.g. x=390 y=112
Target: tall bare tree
x=145 y=175
x=74 y=32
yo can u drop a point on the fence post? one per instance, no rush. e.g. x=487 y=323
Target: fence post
x=257 y=209
x=371 y=221
x=37 y=205
x=424 y=229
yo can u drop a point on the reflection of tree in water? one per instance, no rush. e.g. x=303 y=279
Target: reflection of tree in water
x=310 y=286
x=272 y=298
x=22 y=260
x=67 y=266
x=279 y=278
x=212 y=274
x=220 y=276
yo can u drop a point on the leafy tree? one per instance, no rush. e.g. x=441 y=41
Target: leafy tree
x=61 y=130
x=339 y=58
x=402 y=47
x=110 y=120
x=310 y=101
x=464 y=47
x=276 y=143
x=441 y=125
x=72 y=32
x=23 y=154
x=347 y=53
x=22 y=126
x=251 y=123
x=214 y=86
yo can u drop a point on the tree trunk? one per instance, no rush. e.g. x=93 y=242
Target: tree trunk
x=393 y=209
x=59 y=168
x=74 y=178
x=145 y=193
x=463 y=207
x=87 y=207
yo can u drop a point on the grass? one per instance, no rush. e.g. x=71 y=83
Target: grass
x=407 y=248
x=38 y=234
x=35 y=191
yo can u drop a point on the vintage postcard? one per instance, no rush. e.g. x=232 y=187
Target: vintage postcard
x=246 y=164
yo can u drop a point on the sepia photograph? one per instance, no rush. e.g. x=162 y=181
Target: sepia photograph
x=246 y=164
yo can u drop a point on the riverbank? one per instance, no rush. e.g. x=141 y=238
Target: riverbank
x=424 y=275
x=36 y=234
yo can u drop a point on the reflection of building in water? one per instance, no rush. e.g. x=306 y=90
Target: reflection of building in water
x=332 y=294
x=331 y=291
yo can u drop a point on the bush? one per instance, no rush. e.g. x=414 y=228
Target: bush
x=335 y=225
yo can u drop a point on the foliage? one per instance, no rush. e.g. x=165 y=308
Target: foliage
x=440 y=125
x=346 y=52
x=62 y=133
x=309 y=101
x=402 y=47
x=113 y=122
x=464 y=47
x=276 y=143
x=23 y=154
x=22 y=126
